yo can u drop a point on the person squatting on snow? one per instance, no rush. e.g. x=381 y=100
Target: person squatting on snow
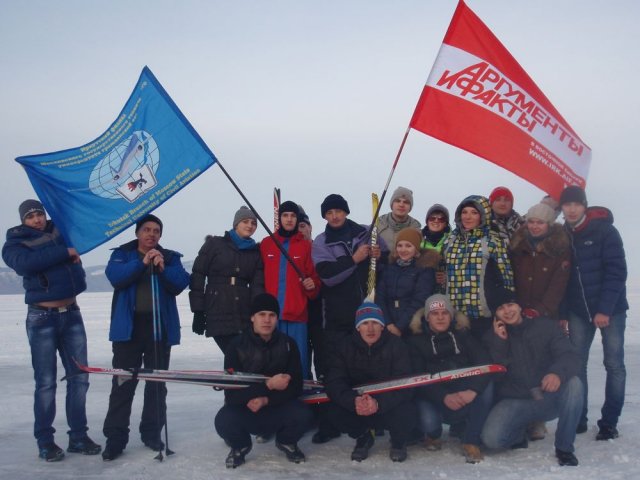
x=434 y=237
x=398 y=218
x=137 y=337
x=438 y=343
x=504 y=219
x=406 y=281
x=52 y=276
x=541 y=382
x=281 y=280
x=477 y=263
x=267 y=408
x=370 y=354
x=596 y=299
x=226 y=275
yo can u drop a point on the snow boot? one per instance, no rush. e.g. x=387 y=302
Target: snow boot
x=51 y=452
x=566 y=458
x=363 y=444
x=606 y=432
x=85 y=446
x=293 y=453
x=236 y=456
x=111 y=451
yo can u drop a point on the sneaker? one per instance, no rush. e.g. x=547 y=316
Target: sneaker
x=582 y=427
x=264 y=438
x=398 y=453
x=293 y=453
x=111 y=452
x=51 y=452
x=472 y=453
x=363 y=444
x=236 y=456
x=536 y=431
x=606 y=432
x=154 y=444
x=324 y=437
x=433 y=444
x=85 y=446
x=566 y=459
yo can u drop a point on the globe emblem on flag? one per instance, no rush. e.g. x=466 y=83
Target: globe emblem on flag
x=128 y=170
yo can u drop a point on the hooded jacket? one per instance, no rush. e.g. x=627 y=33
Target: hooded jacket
x=41 y=258
x=124 y=269
x=402 y=290
x=477 y=262
x=541 y=272
x=599 y=269
x=224 y=279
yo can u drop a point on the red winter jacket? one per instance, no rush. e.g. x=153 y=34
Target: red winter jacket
x=281 y=280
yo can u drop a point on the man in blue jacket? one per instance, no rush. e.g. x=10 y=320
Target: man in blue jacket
x=596 y=299
x=52 y=276
x=144 y=326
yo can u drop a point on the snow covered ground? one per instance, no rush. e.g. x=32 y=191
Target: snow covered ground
x=200 y=453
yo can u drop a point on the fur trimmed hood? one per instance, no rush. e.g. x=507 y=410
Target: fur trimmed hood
x=418 y=322
x=555 y=244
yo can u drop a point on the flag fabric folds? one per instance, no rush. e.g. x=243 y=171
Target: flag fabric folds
x=478 y=98
x=95 y=191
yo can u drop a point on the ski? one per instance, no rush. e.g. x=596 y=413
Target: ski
x=276 y=209
x=412 y=381
x=371 y=278
x=210 y=378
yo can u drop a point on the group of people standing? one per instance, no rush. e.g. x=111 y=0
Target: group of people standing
x=493 y=287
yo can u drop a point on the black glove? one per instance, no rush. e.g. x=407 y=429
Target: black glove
x=199 y=323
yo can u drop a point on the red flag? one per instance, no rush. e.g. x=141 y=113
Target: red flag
x=480 y=99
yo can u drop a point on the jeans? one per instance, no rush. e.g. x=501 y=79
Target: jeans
x=508 y=420
x=581 y=333
x=473 y=415
x=48 y=332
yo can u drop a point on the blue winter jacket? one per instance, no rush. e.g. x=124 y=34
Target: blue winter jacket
x=124 y=269
x=41 y=258
x=599 y=269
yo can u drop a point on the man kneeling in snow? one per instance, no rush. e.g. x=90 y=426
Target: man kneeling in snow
x=541 y=382
x=266 y=408
x=370 y=354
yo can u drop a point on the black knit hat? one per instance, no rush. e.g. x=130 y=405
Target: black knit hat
x=148 y=218
x=289 y=206
x=334 y=201
x=499 y=296
x=29 y=206
x=265 y=302
x=573 y=194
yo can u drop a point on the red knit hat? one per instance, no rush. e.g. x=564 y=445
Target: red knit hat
x=500 y=192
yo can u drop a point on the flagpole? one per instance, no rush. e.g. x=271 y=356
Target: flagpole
x=262 y=222
x=386 y=187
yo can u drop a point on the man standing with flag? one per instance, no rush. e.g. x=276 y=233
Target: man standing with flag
x=52 y=277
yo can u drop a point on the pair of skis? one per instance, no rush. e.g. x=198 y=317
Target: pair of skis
x=313 y=392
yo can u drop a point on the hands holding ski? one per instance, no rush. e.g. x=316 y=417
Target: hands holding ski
x=365 y=251
x=279 y=381
x=366 y=405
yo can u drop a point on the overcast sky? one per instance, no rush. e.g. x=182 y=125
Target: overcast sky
x=312 y=97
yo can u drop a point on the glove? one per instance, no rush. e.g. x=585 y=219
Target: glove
x=199 y=323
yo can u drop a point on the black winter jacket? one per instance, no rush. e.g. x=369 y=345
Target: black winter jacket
x=249 y=353
x=224 y=279
x=533 y=349
x=354 y=363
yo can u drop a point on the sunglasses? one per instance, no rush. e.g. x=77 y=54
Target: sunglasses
x=436 y=219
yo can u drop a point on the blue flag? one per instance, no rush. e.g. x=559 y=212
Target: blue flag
x=150 y=152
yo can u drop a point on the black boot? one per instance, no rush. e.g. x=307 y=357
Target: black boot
x=566 y=458
x=363 y=444
x=85 y=446
x=111 y=451
x=236 y=456
x=51 y=452
x=293 y=453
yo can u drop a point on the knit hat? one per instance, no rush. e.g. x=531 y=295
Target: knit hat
x=573 y=194
x=265 y=302
x=303 y=217
x=243 y=213
x=499 y=297
x=148 y=218
x=438 y=302
x=369 y=311
x=500 y=192
x=29 y=206
x=412 y=235
x=543 y=212
x=334 y=201
x=289 y=206
x=402 y=192
x=436 y=207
